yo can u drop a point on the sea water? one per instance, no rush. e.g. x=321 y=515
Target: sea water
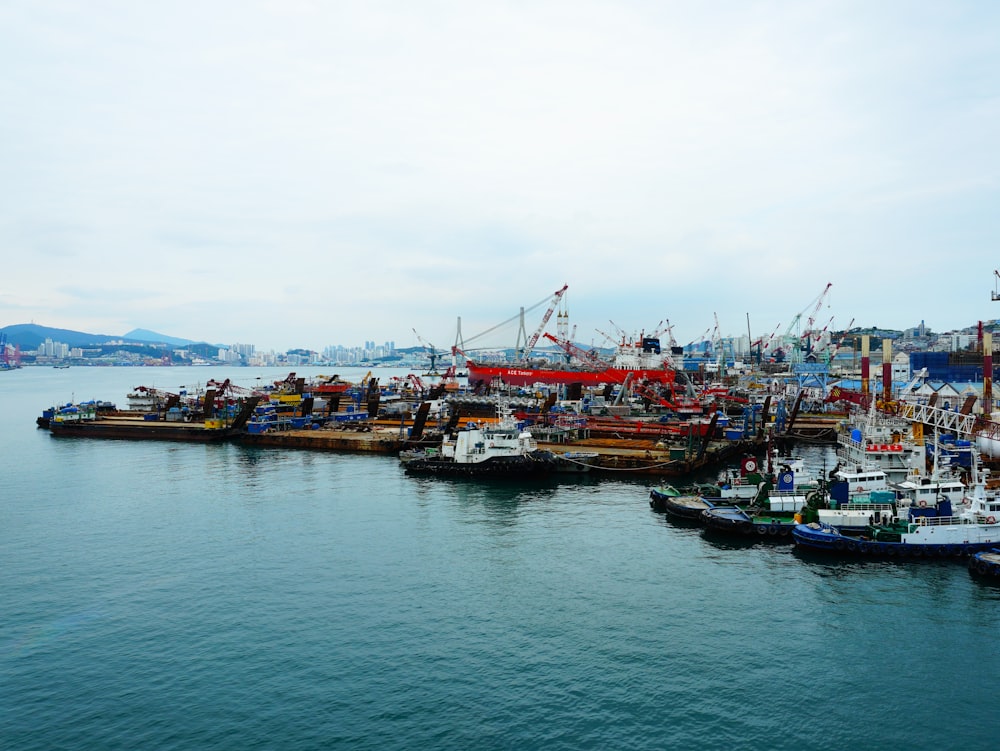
x=180 y=596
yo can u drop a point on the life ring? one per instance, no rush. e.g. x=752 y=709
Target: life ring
x=991 y=520
x=859 y=489
x=922 y=504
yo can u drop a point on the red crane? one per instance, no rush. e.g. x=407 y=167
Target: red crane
x=811 y=321
x=586 y=356
x=533 y=339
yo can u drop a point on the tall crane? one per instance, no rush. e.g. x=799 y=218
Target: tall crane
x=811 y=321
x=720 y=355
x=763 y=343
x=698 y=340
x=432 y=351
x=588 y=357
x=533 y=339
x=668 y=329
x=794 y=337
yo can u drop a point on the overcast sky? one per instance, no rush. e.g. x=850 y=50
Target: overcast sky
x=299 y=174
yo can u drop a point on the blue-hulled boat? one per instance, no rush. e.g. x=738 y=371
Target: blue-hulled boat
x=986 y=563
x=925 y=526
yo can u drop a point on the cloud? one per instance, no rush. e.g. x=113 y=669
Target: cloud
x=300 y=174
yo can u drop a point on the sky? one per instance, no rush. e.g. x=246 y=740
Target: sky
x=301 y=174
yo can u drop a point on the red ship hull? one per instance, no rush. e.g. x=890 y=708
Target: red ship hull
x=515 y=376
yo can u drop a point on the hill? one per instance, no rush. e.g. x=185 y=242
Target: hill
x=145 y=335
x=31 y=335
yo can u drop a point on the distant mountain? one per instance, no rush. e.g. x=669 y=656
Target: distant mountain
x=145 y=335
x=30 y=335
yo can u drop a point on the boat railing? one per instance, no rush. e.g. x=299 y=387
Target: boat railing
x=936 y=521
x=865 y=506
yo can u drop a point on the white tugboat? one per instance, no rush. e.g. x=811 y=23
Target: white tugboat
x=498 y=448
x=926 y=524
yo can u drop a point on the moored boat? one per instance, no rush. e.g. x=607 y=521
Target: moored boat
x=769 y=513
x=921 y=528
x=669 y=500
x=150 y=427
x=766 y=523
x=483 y=449
x=986 y=563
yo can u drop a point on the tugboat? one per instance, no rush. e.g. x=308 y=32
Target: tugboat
x=499 y=449
x=669 y=500
x=923 y=527
x=769 y=513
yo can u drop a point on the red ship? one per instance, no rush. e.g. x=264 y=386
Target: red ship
x=642 y=358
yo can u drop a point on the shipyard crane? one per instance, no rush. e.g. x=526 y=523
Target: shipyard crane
x=619 y=329
x=588 y=357
x=794 y=336
x=697 y=340
x=811 y=321
x=717 y=341
x=533 y=339
x=432 y=351
x=668 y=329
x=996 y=294
x=815 y=337
x=841 y=340
x=608 y=338
x=763 y=343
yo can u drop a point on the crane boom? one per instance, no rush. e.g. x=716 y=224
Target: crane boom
x=432 y=351
x=585 y=356
x=533 y=339
x=811 y=321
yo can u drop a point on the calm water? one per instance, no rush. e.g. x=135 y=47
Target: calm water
x=162 y=596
